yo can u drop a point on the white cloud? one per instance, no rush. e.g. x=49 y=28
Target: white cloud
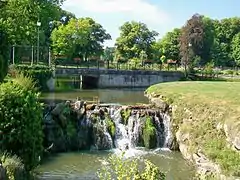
x=113 y=13
x=139 y=10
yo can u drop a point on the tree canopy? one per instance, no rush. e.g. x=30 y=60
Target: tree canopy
x=134 y=38
x=81 y=37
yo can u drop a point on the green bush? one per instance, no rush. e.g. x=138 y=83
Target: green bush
x=20 y=121
x=127 y=169
x=40 y=74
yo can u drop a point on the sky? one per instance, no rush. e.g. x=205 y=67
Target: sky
x=159 y=15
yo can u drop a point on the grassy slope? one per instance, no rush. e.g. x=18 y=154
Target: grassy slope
x=211 y=103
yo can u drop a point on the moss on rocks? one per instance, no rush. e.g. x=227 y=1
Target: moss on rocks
x=149 y=134
x=125 y=114
x=111 y=127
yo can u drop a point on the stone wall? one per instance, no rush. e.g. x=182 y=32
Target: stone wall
x=136 y=79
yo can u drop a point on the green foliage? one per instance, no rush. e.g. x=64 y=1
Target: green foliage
x=169 y=44
x=111 y=127
x=125 y=114
x=134 y=38
x=20 y=17
x=149 y=134
x=40 y=74
x=20 y=119
x=236 y=49
x=13 y=166
x=81 y=37
x=127 y=169
x=208 y=69
x=108 y=54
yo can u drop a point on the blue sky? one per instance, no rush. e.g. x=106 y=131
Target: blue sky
x=159 y=15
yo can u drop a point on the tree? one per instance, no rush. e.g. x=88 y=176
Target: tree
x=20 y=19
x=170 y=44
x=108 y=54
x=225 y=30
x=191 y=41
x=208 y=40
x=134 y=38
x=80 y=37
x=236 y=49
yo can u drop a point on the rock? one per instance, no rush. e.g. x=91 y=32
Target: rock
x=101 y=138
x=233 y=134
x=160 y=104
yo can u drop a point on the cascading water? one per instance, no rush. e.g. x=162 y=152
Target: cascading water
x=128 y=134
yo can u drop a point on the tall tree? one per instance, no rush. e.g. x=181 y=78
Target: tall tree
x=21 y=16
x=80 y=37
x=135 y=37
x=191 y=41
x=236 y=49
x=170 y=44
x=208 y=40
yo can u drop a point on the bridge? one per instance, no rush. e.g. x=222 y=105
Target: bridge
x=116 y=78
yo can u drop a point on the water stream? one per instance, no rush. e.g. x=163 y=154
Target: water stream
x=84 y=164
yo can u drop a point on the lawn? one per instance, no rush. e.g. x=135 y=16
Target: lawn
x=211 y=105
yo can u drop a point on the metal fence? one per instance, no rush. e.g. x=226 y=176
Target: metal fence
x=30 y=55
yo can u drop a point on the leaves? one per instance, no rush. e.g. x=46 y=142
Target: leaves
x=80 y=37
x=134 y=38
x=236 y=49
x=20 y=122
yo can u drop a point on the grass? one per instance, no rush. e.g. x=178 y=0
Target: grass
x=210 y=104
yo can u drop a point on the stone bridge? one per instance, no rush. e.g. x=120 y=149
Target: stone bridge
x=113 y=78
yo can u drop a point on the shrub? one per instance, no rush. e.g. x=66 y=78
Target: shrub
x=20 y=121
x=127 y=169
x=13 y=165
x=40 y=74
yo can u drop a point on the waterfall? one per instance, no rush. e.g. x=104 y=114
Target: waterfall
x=167 y=130
x=124 y=128
x=127 y=136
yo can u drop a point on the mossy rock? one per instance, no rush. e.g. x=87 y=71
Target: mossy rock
x=149 y=134
x=111 y=127
x=125 y=114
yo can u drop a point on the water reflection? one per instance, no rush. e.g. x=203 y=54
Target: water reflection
x=122 y=96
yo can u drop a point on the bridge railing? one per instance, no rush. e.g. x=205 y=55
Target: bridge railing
x=118 y=66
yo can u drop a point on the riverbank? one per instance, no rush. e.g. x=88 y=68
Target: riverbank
x=206 y=123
